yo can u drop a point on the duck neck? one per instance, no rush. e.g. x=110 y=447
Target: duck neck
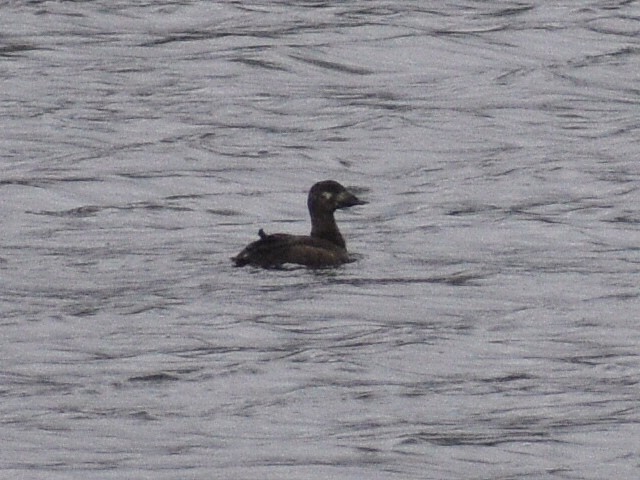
x=324 y=226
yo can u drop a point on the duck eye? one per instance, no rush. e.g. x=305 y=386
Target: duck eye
x=327 y=195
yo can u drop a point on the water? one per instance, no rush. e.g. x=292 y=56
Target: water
x=489 y=329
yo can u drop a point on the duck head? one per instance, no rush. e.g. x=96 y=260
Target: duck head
x=328 y=196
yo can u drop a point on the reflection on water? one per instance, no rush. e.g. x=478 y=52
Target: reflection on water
x=488 y=328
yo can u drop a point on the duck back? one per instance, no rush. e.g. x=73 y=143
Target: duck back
x=272 y=251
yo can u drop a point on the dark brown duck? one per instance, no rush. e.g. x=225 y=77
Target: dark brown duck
x=325 y=247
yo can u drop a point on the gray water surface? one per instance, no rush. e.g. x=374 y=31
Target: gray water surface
x=488 y=330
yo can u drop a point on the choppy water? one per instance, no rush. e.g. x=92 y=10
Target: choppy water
x=490 y=328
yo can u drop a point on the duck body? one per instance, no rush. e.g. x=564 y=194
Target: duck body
x=324 y=247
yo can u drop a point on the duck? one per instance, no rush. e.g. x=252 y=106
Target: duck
x=324 y=247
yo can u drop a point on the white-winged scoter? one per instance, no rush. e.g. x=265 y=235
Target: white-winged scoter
x=325 y=247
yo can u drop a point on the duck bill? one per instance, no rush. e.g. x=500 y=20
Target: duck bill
x=346 y=199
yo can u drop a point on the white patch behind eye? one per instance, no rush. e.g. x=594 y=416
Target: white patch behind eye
x=327 y=195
